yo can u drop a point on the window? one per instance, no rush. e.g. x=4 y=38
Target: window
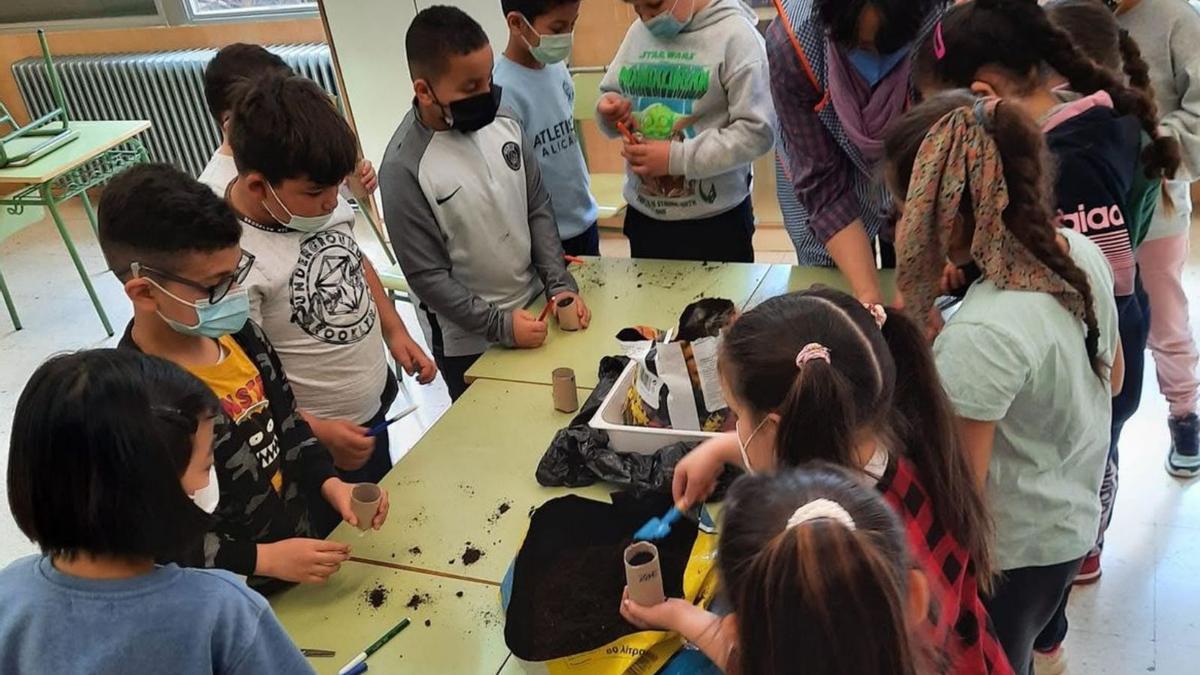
x=213 y=9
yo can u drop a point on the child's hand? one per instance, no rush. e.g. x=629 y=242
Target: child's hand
x=616 y=108
x=648 y=159
x=348 y=442
x=337 y=492
x=300 y=560
x=663 y=616
x=366 y=174
x=528 y=332
x=953 y=278
x=411 y=357
x=697 y=473
x=585 y=314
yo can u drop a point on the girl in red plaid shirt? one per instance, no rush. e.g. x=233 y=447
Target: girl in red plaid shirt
x=816 y=375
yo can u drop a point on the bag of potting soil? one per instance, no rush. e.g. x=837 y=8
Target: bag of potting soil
x=675 y=382
x=563 y=592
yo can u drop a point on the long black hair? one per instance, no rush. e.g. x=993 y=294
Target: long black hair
x=901 y=20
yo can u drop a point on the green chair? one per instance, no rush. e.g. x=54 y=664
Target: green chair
x=607 y=188
x=27 y=144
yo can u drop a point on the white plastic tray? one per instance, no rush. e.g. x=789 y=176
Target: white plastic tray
x=640 y=440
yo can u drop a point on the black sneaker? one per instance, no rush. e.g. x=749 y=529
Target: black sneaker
x=1184 y=460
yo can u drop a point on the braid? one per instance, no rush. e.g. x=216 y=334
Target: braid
x=1030 y=218
x=1135 y=67
x=1161 y=157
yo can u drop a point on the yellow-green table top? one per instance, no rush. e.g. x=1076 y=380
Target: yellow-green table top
x=448 y=491
x=787 y=278
x=94 y=139
x=465 y=634
x=621 y=292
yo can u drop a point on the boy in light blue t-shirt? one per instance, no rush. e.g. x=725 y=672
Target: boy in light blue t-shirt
x=538 y=88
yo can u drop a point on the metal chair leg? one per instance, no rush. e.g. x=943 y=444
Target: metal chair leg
x=83 y=275
x=8 y=302
x=91 y=212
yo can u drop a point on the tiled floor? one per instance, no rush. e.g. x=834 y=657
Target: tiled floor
x=1143 y=615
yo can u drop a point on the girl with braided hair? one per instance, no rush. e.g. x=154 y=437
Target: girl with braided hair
x=1030 y=359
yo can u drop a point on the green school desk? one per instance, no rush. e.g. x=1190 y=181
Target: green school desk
x=620 y=292
x=448 y=491
x=465 y=634
x=786 y=279
x=102 y=150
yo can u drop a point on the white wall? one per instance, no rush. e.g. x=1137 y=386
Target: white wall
x=368 y=38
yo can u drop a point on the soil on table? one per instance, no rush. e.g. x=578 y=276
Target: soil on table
x=375 y=597
x=417 y=600
x=428 y=623
x=459 y=594
x=502 y=509
x=471 y=555
x=570 y=574
x=416 y=550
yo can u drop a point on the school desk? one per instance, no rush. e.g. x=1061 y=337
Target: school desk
x=469 y=484
x=102 y=150
x=787 y=278
x=620 y=292
x=465 y=634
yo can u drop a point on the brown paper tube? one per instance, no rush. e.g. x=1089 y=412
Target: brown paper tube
x=364 y=501
x=566 y=397
x=643 y=574
x=568 y=314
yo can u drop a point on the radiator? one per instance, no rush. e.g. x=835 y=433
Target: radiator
x=166 y=88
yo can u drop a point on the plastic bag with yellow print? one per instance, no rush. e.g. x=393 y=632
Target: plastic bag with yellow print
x=562 y=593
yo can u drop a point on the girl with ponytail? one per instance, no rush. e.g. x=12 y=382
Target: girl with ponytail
x=821 y=582
x=817 y=375
x=1030 y=359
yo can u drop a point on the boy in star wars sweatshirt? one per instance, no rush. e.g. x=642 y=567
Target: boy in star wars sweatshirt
x=691 y=83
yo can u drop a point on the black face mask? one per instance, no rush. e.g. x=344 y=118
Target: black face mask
x=474 y=112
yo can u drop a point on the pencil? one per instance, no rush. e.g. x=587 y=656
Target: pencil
x=629 y=137
x=362 y=656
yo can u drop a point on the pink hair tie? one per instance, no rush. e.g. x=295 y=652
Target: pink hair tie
x=878 y=313
x=939 y=43
x=810 y=352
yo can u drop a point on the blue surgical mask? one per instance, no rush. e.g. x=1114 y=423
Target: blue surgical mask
x=213 y=320
x=874 y=66
x=294 y=222
x=665 y=26
x=551 y=49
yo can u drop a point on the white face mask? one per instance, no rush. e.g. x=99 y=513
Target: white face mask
x=207 y=497
x=294 y=222
x=743 y=445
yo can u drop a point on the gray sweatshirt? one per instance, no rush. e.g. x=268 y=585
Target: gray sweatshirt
x=473 y=230
x=1168 y=33
x=708 y=91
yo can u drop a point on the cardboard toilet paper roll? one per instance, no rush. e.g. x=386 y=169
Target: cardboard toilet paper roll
x=643 y=574
x=566 y=396
x=568 y=314
x=364 y=501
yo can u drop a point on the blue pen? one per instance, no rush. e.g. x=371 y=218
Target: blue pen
x=379 y=428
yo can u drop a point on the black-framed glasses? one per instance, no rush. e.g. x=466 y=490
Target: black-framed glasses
x=217 y=291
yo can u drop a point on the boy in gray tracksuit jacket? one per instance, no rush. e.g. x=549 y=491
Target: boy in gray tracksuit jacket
x=468 y=214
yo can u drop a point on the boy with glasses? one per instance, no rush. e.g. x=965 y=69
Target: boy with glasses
x=176 y=247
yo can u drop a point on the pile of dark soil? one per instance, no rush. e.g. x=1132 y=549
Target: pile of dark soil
x=569 y=574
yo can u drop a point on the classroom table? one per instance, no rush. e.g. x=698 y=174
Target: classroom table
x=465 y=633
x=469 y=480
x=787 y=278
x=621 y=292
x=102 y=150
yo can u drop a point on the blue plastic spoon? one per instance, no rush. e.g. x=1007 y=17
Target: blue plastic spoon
x=657 y=528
